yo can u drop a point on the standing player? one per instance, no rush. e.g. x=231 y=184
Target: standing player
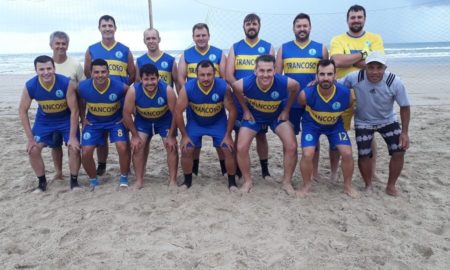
x=240 y=64
x=154 y=103
x=57 y=113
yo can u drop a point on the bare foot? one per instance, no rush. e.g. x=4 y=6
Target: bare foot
x=287 y=187
x=392 y=191
x=303 y=191
x=233 y=189
x=269 y=178
x=334 y=177
x=58 y=176
x=316 y=178
x=245 y=188
x=368 y=189
x=172 y=184
x=138 y=185
x=352 y=193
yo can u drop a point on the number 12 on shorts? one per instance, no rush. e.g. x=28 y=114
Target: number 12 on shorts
x=343 y=136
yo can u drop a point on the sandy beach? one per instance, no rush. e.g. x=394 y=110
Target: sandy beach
x=207 y=227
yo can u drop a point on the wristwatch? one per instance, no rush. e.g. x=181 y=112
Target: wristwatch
x=363 y=55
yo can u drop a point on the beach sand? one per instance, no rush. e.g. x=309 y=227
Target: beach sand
x=207 y=227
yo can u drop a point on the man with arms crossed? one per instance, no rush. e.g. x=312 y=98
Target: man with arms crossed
x=240 y=64
x=324 y=105
x=187 y=71
x=102 y=97
x=57 y=113
x=264 y=94
x=376 y=90
x=154 y=102
x=206 y=99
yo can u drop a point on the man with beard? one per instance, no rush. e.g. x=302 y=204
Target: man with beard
x=164 y=62
x=240 y=64
x=376 y=90
x=154 y=103
x=187 y=71
x=261 y=97
x=324 y=105
x=298 y=60
x=206 y=97
x=349 y=51
x=120 y=63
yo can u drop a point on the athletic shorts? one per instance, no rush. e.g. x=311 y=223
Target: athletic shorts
x=44 y=132
x=238 y=124
x=336 y=135
x=152 y=128
x=94 y=134
x=295 y=115
x=216 y=131
x=261 y=127
x=390 y=133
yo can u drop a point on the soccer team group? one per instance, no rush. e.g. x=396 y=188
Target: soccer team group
x=303 y=90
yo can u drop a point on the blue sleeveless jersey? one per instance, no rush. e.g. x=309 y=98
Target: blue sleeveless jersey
x=192 y=57
x=152 y=108
x=52 y=103
x=323 y=113
x=116 y=56
x=102 y=107
x=206 y=108
x=164 y=64
x=265 y=105
x=245 y=56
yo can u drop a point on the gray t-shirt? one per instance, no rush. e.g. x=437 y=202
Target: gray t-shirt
x=375 y=101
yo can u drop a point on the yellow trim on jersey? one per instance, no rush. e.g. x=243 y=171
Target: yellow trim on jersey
x=202 y=53
x=149 y=94
x=152 y=112
x=106 y=88
x=53 y=106
x=249 y=44
x=300 y=65
x=323 y=118
x=264 y=90
x=155 y=59
x=333 y=92
x=206 y=109
x=300 y=46
x=103 y=109
x=266 y=106
x=108 y=48
x=117 y=68
x=48 y=89
x=245 y=62
x=205 y=91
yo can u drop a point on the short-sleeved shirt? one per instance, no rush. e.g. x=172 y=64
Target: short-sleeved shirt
x=193 y=56
x=375 y=101
x=71 y=68
x=164 y=64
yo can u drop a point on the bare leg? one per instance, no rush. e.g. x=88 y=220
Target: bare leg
x=231 y=167
x=365 y=168
x=262 y=148
x=87 y=159
x=140 y=160
x=172 y=164
x=124 y=157
x=334 y=165
x=246 y=136
x=373 y=146
x=36 y=161
x=306 y=168
x=316 y=157
x=347 y=169
x=74 y=161
x=57 y=156
x=102 y=154
x=287 y=137
x=395 y=168
x=187 y=160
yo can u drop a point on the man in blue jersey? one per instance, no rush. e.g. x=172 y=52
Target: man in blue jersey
x=120 y=63
x=205 y=100
x=376 y=90
x=69 y=67
x=187 y=71
x=57 y=113
x=164 y=62
x=267 y=101
x=324 y=105
x=102 y=98
x=298 y=59
x=153 y=103
x=241 y=63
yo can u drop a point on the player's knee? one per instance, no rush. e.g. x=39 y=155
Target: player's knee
x=122 y=148
x=242 y=147
x=308 y=154
x=346 y=155
x=290 y=147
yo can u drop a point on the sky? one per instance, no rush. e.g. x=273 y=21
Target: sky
x=25 y=25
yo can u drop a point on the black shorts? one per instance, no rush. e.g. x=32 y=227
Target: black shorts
x=390 y=134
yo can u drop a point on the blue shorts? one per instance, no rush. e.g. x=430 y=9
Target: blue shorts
x=336 y=135
x=261 y=127
x=152 y=128
x=94 y=134
x=216 y=131
x=238 y=124
x=295 y=115
x=45 y=132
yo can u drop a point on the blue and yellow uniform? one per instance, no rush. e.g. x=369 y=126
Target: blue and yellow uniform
x=104 y=112
x=53 y=114
x=244 y=65
x=164 y=64
x=265 y=104
x=152 y=111
x=116 y=56
x=192 y=57
x=300 y=63
x=324 y=116
x=206 y=114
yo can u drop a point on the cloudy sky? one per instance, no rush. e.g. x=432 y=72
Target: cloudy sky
x=25 y=25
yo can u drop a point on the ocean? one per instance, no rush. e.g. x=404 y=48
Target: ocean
x=427 y=52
